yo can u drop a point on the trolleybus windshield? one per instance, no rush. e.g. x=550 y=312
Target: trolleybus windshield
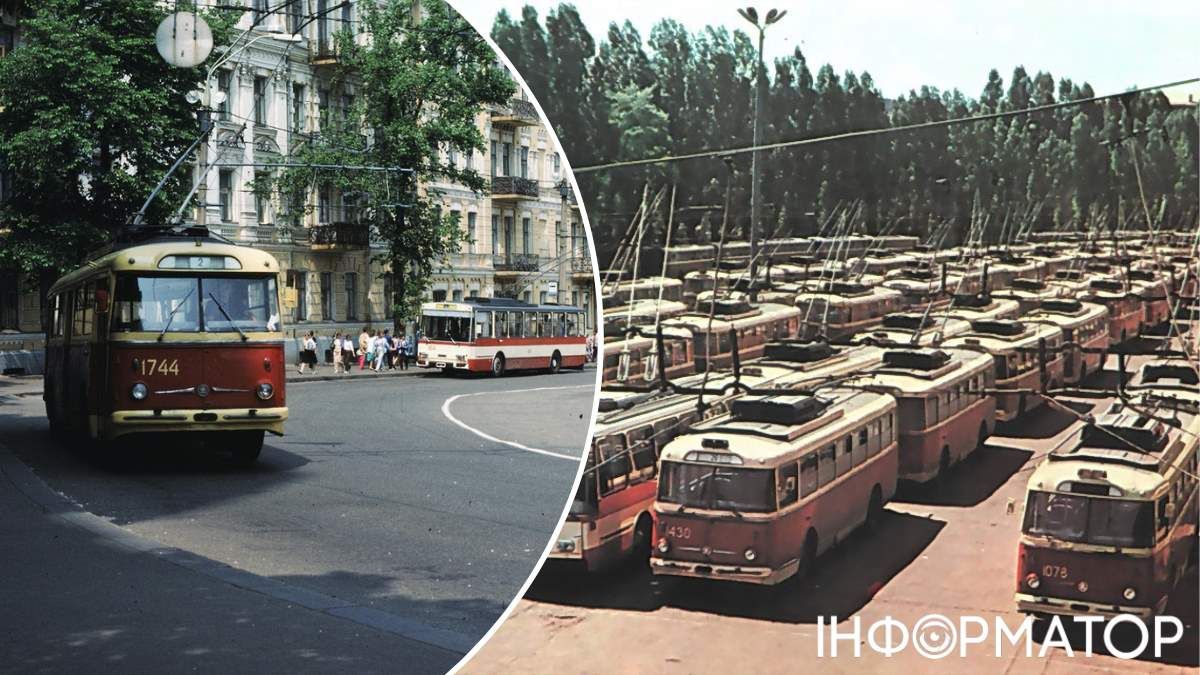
x=453 y=328
x=1079 y=518
x=183 y=304
x=717 y=487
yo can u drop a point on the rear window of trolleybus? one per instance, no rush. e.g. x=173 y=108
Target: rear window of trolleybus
x=190 y=304
x=1102 y=521
x=704 y=486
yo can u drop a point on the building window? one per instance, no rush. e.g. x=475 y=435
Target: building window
x=457 y=295
x=543 y=297
x=469 y=159
x=298 y=280
x=525 y=235
x=223 y=87
x=295 y=12
x=439 y=295
x=260 y=101
x=471 y=232
x=495 y=233
x=327 y=296
x=508 y=235
x=299 y=120
x=557 y=164
x=260 y=11
x=347 y=107
x=323 y=107
x=527 y=296
x=494 y=155
x=452 y=156
x=322 y=26
x=351 y=296
x=226 y=194
x=505 y=163
x=260 y=207
x=574 y=237
x=347 y=18
x=524 y=162
x=324 y=199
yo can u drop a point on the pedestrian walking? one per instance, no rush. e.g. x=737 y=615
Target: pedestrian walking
x=390 y=358
x=348 y=352
x=591 y=347
x=402 y=351
x=308 y=353
x=364 y=347
x=410 y=355
x=339 y=363
x=378 y=352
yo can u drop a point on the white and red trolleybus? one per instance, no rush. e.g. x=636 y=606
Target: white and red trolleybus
x=944 y=410
x=755 y=326
x=1125 y=311
x=611 y=512
x=496 y=335
x=169 y=332
x=1085 y=328
x=1018 y=368
x=757 y=494
x=1110 y=519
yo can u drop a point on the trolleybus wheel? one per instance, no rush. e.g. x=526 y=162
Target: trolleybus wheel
x=498 y=365
x=555 y=363
x=875 y=509
x=247 y=446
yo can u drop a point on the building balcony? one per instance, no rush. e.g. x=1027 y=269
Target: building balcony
x=339 y=237
x=518 y=113
x=581 y=267
x=513 y=188
x=516 y=264
x=323 y=53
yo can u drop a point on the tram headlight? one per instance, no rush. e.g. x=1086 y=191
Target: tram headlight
x=1032 y=580
x=139 y=392
x=663 y=545
x=265 y=391
x=750 y=554
x=1082 y=586
x=1130 y=593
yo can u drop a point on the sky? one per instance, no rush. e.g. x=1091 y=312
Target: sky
x=1113 y=44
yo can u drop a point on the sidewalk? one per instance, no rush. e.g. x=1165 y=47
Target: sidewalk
x=325 y=373
x=81 y=594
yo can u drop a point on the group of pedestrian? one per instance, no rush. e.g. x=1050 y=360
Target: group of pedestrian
x=377 y=350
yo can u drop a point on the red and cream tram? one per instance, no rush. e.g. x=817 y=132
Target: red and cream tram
x=943 y=409
x=1110 y=519
x=497 y=335
x=178 y=332
x=757 y=494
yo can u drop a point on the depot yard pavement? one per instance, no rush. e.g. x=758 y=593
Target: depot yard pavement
x=388 y=535
x=949 y=551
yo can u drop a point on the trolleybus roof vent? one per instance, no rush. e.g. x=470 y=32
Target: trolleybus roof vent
x=1070 y=275
x=1098 y=267
x=848 y=288
x=1110 y=285
x=972 y=300
x=1006 y=327
x=1028 y=284
x=919 y=273
x=916 y=359
x=1063 y=306
x=1141 y=275
x=1181 y=259
x=798 y=351
x=906 y=321
x=1122 y=429
x=786 y=409
x=725 y=306
x=1169 y=374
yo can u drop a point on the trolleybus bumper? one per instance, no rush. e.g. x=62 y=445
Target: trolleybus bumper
x=125 y=422
x=1035 y=604
x=753 y=575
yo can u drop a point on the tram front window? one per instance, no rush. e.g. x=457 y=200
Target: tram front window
x=1093 y=520
x=451 y=328
x=176 y=304
x=717 y=487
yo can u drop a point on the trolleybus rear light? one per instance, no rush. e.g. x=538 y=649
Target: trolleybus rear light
x=139 y=392
x=663 y=545
x=1032 y=580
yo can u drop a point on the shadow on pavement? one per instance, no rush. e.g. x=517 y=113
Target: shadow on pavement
x=971 y=481
x=843 y=582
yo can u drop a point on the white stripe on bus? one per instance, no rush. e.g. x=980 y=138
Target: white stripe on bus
x=482 y=434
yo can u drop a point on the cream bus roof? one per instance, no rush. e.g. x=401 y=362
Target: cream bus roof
x=778 y=428
x=1067 y=313
x=1134 y=482
x=147 y=257
x=959 y=364
x=767 y=311
x=994 y=343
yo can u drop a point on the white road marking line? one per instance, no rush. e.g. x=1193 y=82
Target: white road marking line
x=483 y=434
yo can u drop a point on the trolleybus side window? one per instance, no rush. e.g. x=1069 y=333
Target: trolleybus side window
x=56 y=315
x=860 y=448
x=873 y=438
x=84 y=307
x=614 y=471
x=808 y=475
x=788 y=487
x=643 y=449
x=845 y=460
x=501 y=324
x=826 y=467
x=483 y=324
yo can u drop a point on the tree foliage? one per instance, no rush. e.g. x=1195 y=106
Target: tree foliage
x=1072 y=168
x=91 y=117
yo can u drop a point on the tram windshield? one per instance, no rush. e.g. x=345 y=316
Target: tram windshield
x=1093 y=520
x=452 y=328
x=184 y=304
x=717 y=487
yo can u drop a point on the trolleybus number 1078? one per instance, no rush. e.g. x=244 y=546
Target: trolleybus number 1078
x=1055 y=571
x=160 y=366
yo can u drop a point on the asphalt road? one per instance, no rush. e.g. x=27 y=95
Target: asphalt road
x=375 y=496
x=950 y=551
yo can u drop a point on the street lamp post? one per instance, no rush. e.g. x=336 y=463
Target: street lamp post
x=564 y=190
x=750 y=14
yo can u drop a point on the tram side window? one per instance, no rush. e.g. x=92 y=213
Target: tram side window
x=826 y=466
x=787 y=487
x=56 y=315
x=83 y=309
x=808 y=475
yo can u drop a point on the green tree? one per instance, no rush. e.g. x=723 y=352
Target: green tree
x=421 y=85
x=91 y=119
